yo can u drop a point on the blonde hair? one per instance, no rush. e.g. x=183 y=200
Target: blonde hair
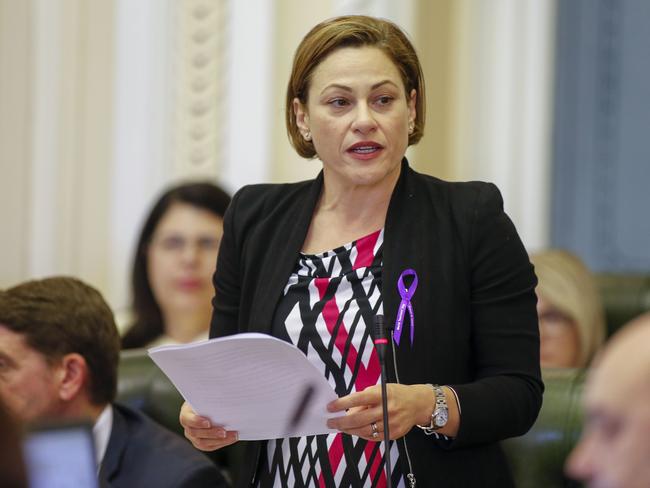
x=568 y=285
x=352 y=31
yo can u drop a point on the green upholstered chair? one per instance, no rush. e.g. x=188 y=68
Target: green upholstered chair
x=142 y=385
x=537 y=458
x=625 y=296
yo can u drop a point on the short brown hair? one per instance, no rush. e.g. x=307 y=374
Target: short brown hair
x=62 y=315
x=352 y=31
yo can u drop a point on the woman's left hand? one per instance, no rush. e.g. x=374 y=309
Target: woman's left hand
x=407 y=405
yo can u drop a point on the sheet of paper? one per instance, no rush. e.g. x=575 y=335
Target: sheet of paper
x=258 y=385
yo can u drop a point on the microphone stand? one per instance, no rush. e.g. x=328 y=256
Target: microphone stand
x=381 y=342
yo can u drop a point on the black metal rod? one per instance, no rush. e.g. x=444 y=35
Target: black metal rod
x=384 y=407
x=381 y=343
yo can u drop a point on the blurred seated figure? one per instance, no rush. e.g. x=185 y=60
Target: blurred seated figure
x=59 y=352
x=172 y=270
x=614 y=450
x=571 y=317
x=12 y=468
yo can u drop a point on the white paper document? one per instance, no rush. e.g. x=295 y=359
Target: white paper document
x=260 y=386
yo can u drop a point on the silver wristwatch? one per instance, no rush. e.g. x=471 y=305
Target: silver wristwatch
x=440 y=414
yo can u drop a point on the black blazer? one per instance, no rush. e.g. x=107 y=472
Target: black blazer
x=142 y=453
x=475 y=318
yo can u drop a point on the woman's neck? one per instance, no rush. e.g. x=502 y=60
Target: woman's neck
x=345 y=213
x=356 y=201
x=184 y=326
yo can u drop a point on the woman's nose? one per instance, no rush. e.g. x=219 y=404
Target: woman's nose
x=190 y=253
x=364 y=120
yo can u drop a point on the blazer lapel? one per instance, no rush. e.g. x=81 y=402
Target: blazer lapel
x=407 y=245
x=398 y=241
x=115 y=448
x=283 y=250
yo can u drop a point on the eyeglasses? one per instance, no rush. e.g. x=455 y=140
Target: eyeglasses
x=177 y=244
x=555 y=323
x=555 y=317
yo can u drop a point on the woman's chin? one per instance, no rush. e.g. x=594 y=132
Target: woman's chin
x=191 y=303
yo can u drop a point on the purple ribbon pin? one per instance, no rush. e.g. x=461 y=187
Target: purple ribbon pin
x=405 y=304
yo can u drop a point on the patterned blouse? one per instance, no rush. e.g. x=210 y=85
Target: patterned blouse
x=326 y=311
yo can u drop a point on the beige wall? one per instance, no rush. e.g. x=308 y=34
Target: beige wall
x=286 y=164
x=502 y=111
x=15 y=118
x=94 y=120
x=433 y=35
x=55 y=116
x=90 y=202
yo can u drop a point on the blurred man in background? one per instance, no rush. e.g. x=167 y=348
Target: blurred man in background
x=614 y=450
x=59 y=352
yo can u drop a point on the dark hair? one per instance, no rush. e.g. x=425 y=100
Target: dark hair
x=352 y=31
x=63 y=315
x=148 y=322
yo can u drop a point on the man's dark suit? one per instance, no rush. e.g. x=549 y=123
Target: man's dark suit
x=141 y=453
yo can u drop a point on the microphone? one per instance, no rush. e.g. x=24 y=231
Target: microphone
x=381 y=343
x=300 y=408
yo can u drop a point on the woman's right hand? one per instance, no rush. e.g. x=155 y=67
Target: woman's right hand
x=200 y=431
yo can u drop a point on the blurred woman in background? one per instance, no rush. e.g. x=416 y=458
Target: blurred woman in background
x=571 y=316
x=174 y=261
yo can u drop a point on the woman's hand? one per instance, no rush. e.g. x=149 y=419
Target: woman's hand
x=407 y=405
x=202 y=434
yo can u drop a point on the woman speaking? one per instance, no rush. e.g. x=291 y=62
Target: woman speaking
x=314 y=262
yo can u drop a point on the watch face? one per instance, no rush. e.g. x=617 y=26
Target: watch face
x=440 y=418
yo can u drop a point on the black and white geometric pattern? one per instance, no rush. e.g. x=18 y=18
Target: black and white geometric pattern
x=326 y=311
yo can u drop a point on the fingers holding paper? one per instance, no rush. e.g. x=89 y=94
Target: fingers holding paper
x=202 y=433
x=407 y=406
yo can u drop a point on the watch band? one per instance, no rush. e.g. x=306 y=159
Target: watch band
x=440 y=410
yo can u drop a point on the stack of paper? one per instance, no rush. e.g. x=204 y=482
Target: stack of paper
x=258 y=385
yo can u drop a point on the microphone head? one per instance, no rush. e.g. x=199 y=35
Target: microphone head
x=379 y=327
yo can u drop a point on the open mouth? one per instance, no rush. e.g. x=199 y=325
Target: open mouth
x=364 y=148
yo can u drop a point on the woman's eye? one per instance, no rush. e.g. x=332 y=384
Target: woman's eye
x=173 y=243
x=338 y=102
x=384 y=100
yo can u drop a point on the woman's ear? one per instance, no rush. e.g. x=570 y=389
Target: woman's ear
x=412 y=103
x=74 y=374
x=302 y=117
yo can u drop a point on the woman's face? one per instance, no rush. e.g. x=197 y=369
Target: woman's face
x=559 y=340
x=181 y=258
x=358 y=115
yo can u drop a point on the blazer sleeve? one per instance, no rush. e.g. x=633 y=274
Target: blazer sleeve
x=226 y=278
x=506 y=396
